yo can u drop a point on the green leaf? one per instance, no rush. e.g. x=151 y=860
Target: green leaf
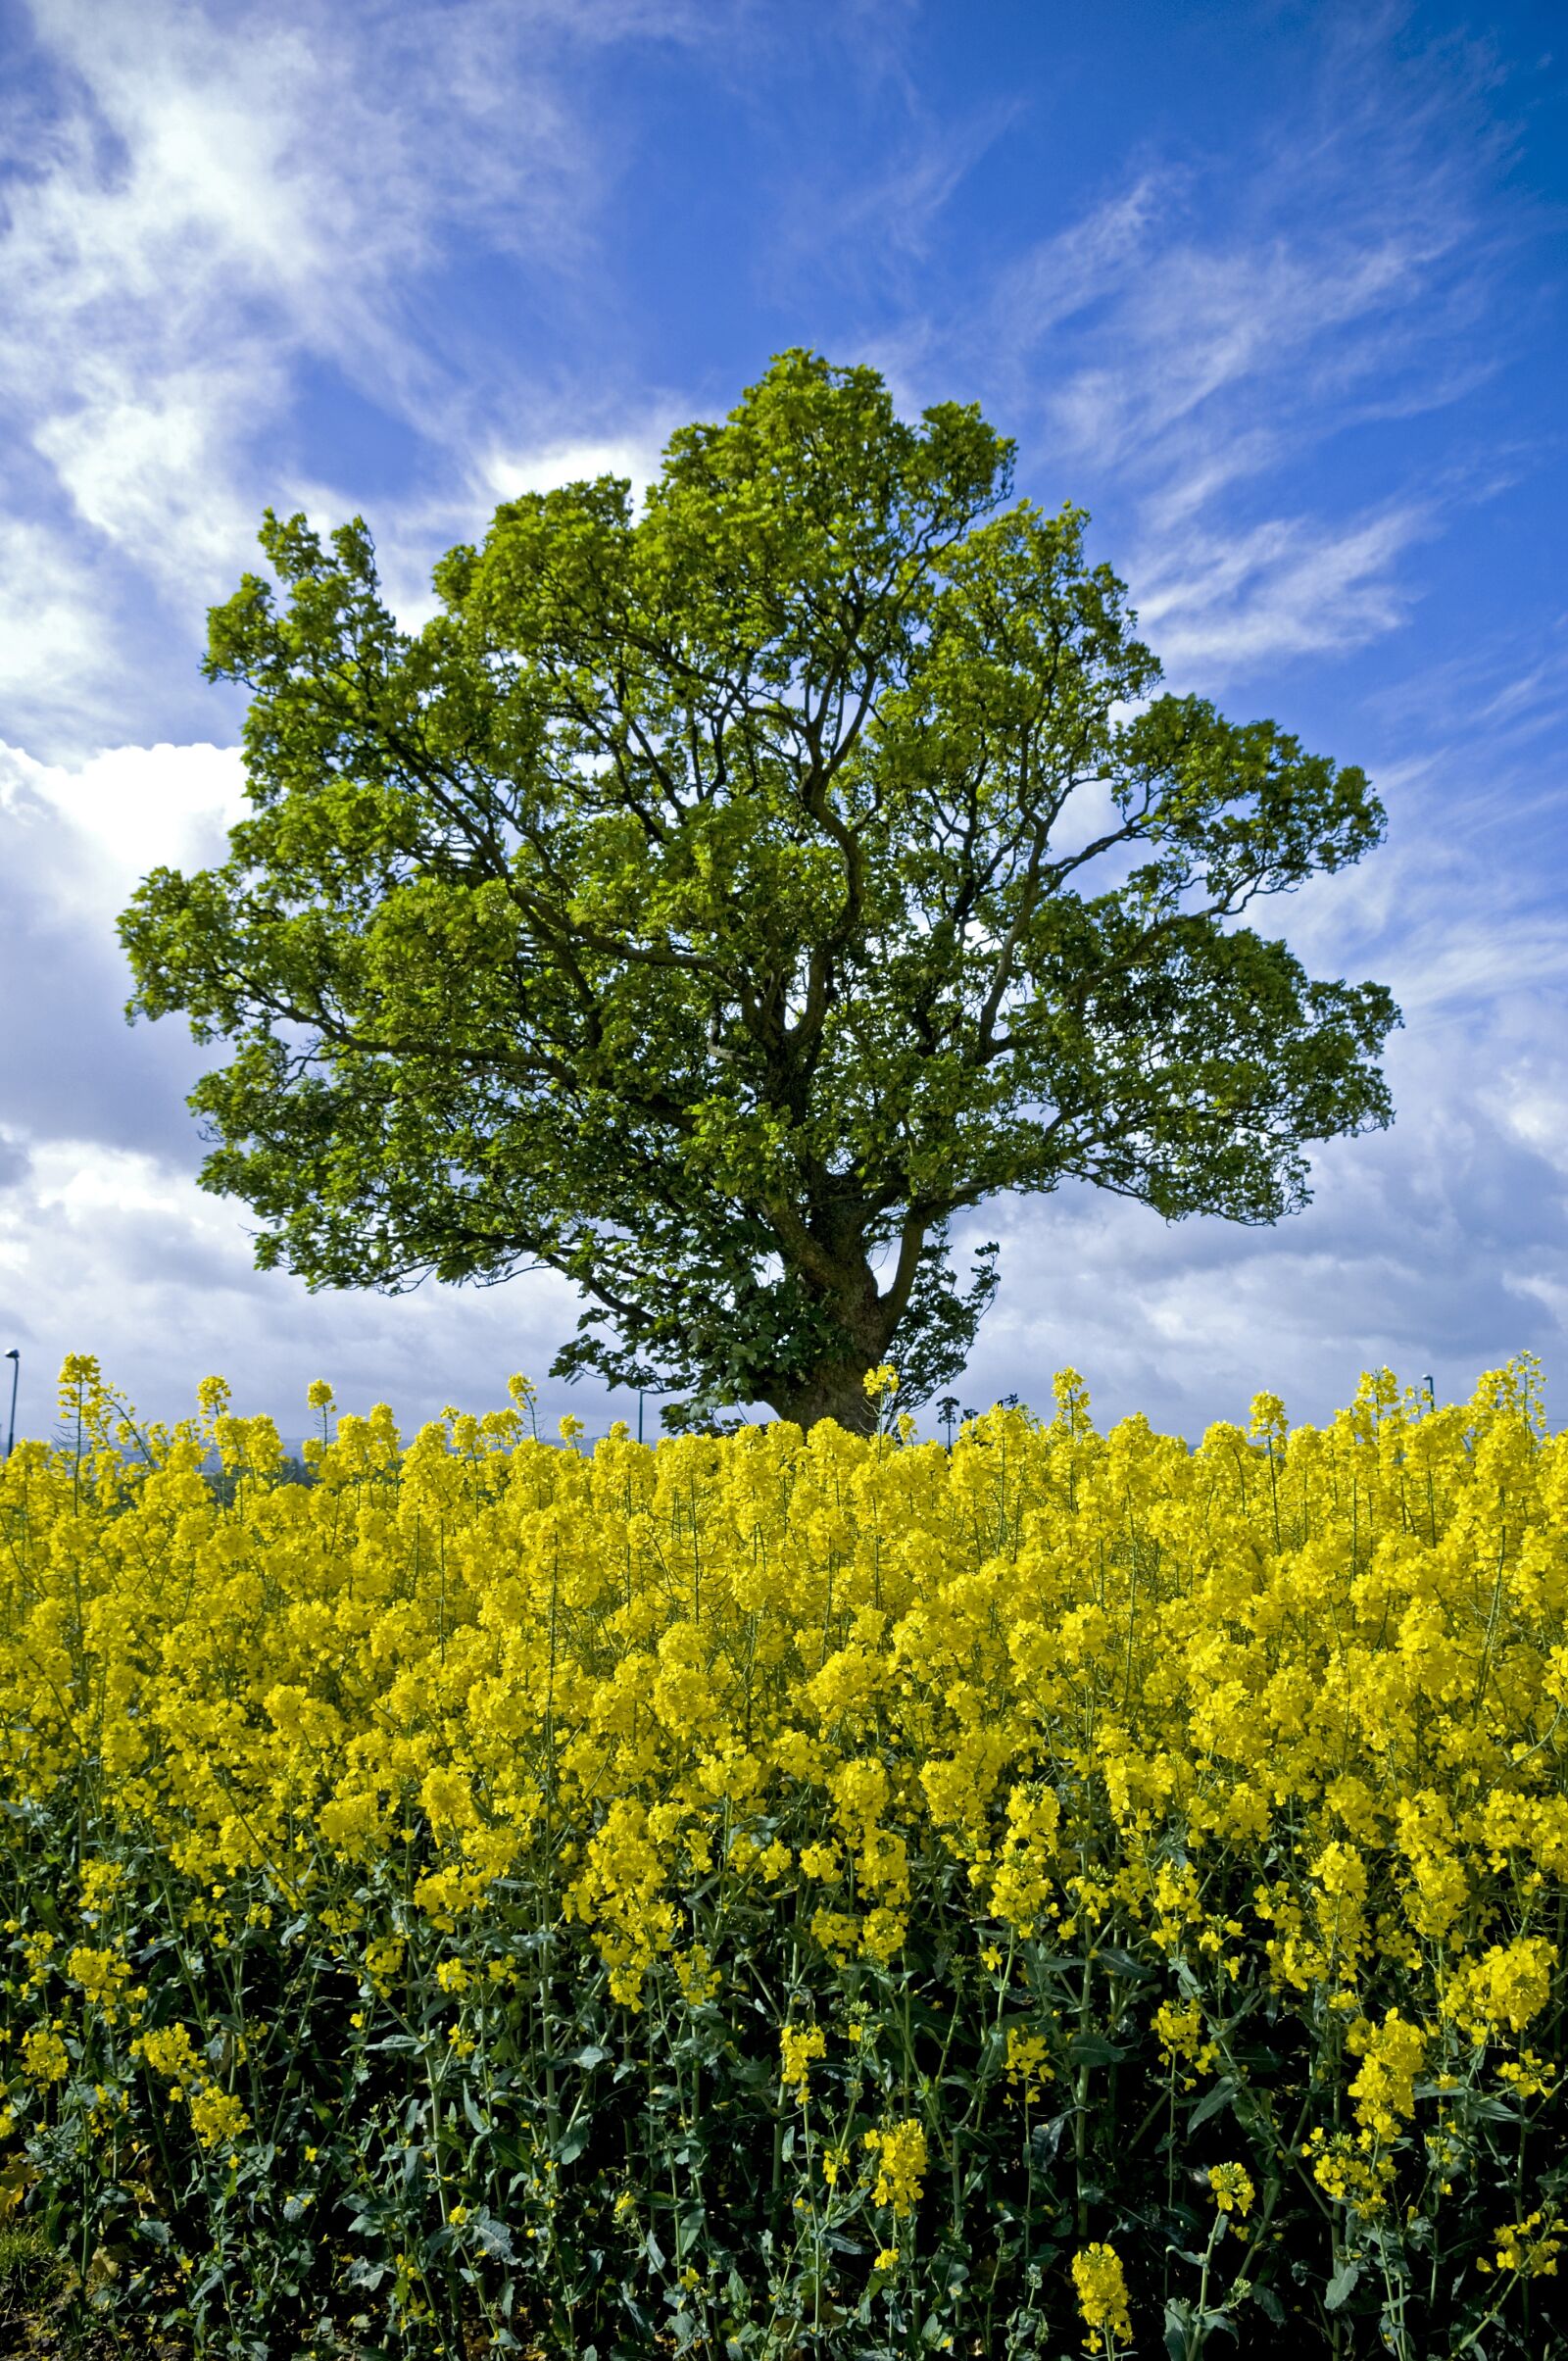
x=1214 y=2102
x=1178 y=2327
x=1125 y=1964
x=1340 y=2286
x=1093 y=2050
x=494 y=2238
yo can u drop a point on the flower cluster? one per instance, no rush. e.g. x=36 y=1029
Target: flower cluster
x=1231 y=2187
x=1102 y=2286
x=900 y=2158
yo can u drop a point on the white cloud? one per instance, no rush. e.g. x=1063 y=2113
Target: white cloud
x=51 y=640
x=84 y=1183
x=80 y=838
x=1197 y=323
x=1208 y=322
x=1432 y=1247
x=505 y=473
x=148 y=271
x=1083 y=267
x=1216 y=367
x=121 y=1255
x=864 y=222
x=998 y=338
x=1216 y=603
x=1529 y=1099
x=150 y=472
x=217 y=200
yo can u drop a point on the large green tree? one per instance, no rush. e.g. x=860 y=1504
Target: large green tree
x=714 y=898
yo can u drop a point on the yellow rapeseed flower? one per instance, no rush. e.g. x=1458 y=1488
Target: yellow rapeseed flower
x=1231 y=2187
x=1101 y=2290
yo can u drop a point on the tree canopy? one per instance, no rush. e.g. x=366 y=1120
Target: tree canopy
x=717 y=896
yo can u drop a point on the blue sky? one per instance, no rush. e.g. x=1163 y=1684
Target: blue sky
x=1276 y=292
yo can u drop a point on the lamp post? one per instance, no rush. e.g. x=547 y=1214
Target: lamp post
x=15 y=1358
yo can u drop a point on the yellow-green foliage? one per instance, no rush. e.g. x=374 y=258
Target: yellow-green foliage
x=794 y=1892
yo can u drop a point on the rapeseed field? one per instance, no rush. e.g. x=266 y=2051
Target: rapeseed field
x=790 y=1895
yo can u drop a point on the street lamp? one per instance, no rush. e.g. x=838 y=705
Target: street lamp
x=657 y=1392
x=15 y=1357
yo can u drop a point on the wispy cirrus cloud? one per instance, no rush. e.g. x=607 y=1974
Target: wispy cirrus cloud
x=1216 y=601
x=202 y=207
x=871 y=226
x=1177 y=350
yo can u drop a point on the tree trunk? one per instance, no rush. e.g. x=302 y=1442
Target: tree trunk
x=833 y=1392
x=834 y=1387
